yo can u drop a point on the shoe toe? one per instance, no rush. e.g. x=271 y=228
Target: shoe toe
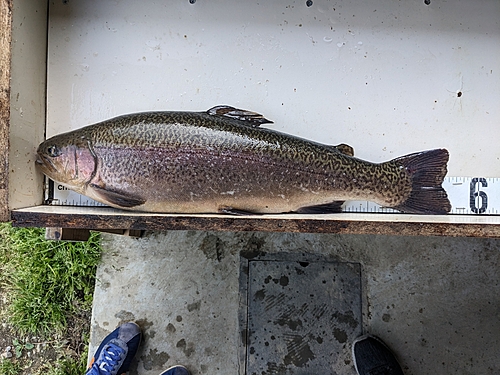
x=128 y=331
x=372 y=357
x=176 y=370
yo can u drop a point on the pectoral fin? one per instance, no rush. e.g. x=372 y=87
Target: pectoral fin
x=248 y=117
x=117 y=198
x=328 y=208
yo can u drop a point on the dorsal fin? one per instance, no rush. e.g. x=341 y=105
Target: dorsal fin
x=344 y=149
x=250 y=118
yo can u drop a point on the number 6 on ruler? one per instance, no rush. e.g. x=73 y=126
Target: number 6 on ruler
x=476 y=192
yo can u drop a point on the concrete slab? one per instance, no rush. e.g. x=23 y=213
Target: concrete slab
x=435 y=301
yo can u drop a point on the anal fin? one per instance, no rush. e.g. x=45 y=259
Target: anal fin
x=327 y=208
x=235 y=211
x=117 y=198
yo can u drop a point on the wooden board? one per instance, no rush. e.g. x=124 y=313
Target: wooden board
x=5 y=43
x=343 y=223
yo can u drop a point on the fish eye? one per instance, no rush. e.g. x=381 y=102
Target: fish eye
x=53 y=151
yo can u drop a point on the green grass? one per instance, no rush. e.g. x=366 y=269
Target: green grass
x=46 y=282
x=9 y=368
x=67 y=366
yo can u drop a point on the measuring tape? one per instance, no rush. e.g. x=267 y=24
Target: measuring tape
x=482 y=194
x=468 y=195
x=59 y=195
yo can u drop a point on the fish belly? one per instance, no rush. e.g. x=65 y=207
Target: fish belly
x=189 y=181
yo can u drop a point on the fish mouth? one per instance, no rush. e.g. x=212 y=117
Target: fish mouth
x=45 y=163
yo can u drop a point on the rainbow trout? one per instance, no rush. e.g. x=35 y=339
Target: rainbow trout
x=221 y=160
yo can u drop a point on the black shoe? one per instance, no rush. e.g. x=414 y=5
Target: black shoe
x=372 y=357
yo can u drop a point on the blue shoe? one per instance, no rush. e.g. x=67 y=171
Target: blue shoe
x=372 y=357
x=116 y=351
x=176 y=370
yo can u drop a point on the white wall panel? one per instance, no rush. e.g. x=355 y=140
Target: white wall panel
x=383 y=76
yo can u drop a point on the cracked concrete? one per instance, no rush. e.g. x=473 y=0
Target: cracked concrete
x=434 y=300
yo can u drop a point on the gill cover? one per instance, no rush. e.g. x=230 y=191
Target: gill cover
x=70 y=164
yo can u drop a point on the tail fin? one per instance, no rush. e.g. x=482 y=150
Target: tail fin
x=427 y=170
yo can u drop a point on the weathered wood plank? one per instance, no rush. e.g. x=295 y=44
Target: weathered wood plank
x=405 y=225
x=5 y=57
x=67 y=234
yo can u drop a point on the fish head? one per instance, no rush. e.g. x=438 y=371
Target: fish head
x=68 y=160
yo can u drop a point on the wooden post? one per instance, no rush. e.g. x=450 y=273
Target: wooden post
x=5 y=57
x=72 y=234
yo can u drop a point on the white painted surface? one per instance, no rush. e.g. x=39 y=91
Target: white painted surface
x=382 y=76
x=27 y=101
